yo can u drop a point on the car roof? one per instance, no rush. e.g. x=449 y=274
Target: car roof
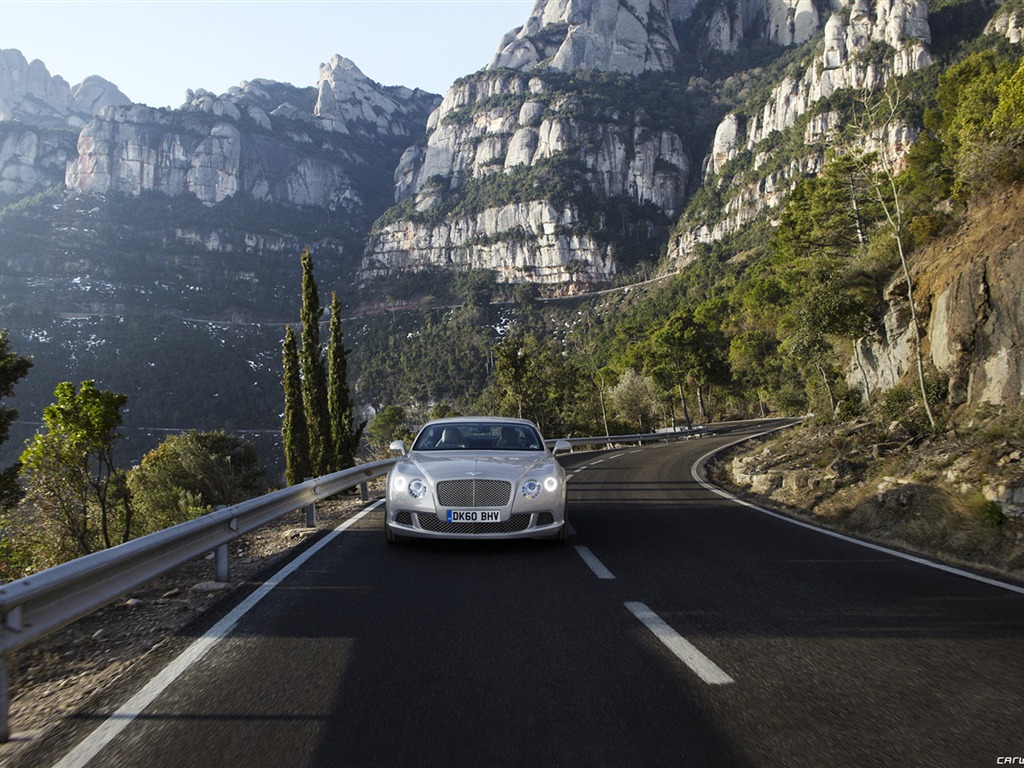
x=478 y=419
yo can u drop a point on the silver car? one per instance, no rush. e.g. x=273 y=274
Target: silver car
x=476 y=478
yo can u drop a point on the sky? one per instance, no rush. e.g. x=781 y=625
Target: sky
x=155 y=50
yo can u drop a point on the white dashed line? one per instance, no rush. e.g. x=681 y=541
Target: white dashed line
x=683 y=649
x=595 y=565
x=92 y=744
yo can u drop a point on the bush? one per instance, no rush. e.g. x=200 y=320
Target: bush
x=191 y=473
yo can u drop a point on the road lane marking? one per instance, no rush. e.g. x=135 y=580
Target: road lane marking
x=694 y=471
x=595 y=565
x=682 y=648
x=92 y=744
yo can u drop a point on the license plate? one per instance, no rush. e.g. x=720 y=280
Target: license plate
x=474 y=516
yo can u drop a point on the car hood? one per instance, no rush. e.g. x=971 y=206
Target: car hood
x=459 y=465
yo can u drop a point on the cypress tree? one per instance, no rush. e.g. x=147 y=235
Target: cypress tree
x=294 y=429
x=314 y=372
x=12 y=368
x=345 y=439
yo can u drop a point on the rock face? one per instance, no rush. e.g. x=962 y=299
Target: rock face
x=536 y=240
x=135 y=149
x=516 y=117
x=519 y=113
x=864 y=45
x=32 y=160
x=975 y=330
x=264 y=139
x=1009 y=24
x=29 y=95
x=348 y=101
x=606 y=35
x=40 y=116
x=506 y=123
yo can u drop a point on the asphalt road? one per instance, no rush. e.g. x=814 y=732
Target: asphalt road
x=676 y=628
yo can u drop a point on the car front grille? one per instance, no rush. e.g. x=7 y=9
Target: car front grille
x=514 y=524
x=473 y=493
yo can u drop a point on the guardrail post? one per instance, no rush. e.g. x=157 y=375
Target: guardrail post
x=364 y=492
x=221 y=567
x=311 y=515
x=5 y=731
x=221 y=564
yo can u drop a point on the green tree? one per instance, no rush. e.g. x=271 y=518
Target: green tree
x=294 y=431
x=314 y=372
x=689 y=350
x=190 y=474
x=13 y=368
x=74 y=491
x=387 y=426
x=344 y=436
x=532 y=380
x=636 y=400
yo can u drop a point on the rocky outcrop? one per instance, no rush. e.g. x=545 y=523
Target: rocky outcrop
x=517 y=115
x=504 y=123
x=864 y=45
x=348 y=101
x=135 y=149
x=605 y=35
x=32 y=160
x=29 y=95
x=967 y=287
x=40 y=116
x=1008 y=24
x=528 y=242
x=271 y=141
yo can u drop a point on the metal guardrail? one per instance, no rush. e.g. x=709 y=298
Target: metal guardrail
x=37 y=605
x=680 y=433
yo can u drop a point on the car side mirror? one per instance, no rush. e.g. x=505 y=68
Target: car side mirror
x=561 y=446
x=397 y=447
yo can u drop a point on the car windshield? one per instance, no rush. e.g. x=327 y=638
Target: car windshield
x=478 y=436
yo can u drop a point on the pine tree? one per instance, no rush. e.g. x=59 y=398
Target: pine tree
x=314 y=373
x=294 y=430
x=344 y=438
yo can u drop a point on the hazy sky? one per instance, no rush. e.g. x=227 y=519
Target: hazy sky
x=154 y=50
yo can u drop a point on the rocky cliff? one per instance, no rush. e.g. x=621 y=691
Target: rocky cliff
x=40 y=116
x=539 y=104
x=863 y=45
x=969 y=292
x=271 y=141
x=527 y=117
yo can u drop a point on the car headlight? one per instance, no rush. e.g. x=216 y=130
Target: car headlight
x=417 y=488
x=551 y=484
x=530 y=489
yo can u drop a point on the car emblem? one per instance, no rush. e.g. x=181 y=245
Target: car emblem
x=474 y=474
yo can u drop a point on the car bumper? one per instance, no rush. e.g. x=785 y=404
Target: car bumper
x=426 y=525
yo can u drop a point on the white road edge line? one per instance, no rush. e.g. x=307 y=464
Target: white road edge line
x=682 y=648
x=843 y=537
x=92 y=744
x=595 y=565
